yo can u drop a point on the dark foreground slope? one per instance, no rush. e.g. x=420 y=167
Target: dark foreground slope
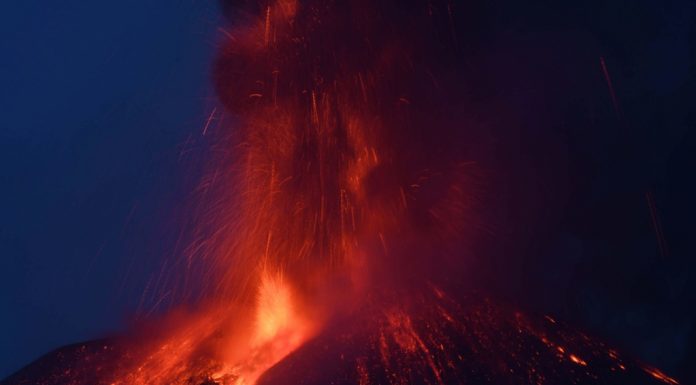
x=440 y=341
x=426 y=339
x=83 y=363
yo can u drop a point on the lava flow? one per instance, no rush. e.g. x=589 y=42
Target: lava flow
x=340 y=223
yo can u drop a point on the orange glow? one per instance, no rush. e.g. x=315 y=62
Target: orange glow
x=577 y=360
x=292 y=213
x=656 y=373
x=278 y=330
x=274 y=313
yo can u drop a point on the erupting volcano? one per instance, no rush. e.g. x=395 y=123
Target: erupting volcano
x=336 y=243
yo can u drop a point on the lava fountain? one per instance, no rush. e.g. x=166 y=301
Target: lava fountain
x=340 y=222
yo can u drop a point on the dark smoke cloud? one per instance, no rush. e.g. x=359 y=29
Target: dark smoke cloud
x=517 y=88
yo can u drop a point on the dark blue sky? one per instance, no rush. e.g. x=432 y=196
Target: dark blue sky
x=99 y=98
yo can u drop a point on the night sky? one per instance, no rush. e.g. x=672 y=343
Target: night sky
x=101 y=147
x=99 y=101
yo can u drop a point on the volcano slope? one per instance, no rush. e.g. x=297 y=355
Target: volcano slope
x=430 y=338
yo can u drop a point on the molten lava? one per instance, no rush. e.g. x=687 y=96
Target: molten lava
x=339 y=222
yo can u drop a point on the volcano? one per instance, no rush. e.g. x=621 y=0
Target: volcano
x=343 y=213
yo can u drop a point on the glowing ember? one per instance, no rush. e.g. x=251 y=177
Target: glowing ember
x=660 y=376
